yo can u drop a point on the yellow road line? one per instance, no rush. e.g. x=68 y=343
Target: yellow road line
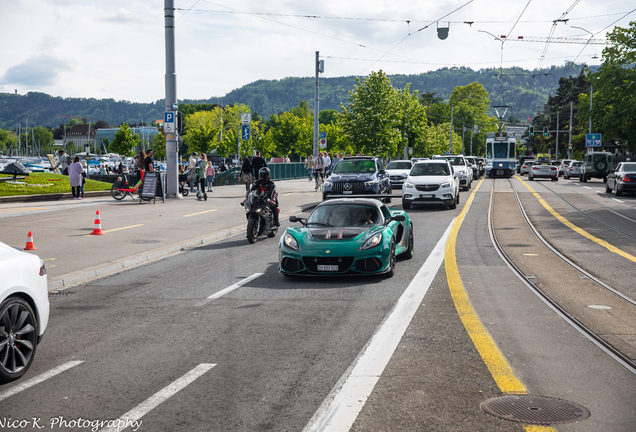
x=573 y=227
x=116 y=229
x=194 y=214
x=493 y=358
x=291 y=193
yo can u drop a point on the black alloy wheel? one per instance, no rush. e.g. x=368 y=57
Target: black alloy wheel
x=18 y=338
x=410 y=251
x=252 y=230
x=616 y=191
x=392 y=260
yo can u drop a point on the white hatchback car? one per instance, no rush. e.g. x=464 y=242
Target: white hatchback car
x=24 y=310
x=432 y=181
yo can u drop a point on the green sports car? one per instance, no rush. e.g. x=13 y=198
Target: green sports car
x=350 y=235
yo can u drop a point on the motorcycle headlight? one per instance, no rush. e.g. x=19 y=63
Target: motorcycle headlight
x=291 y=242
x=328 y=184
x=409 y=185
x=371 y=183
x=445 y=185
x=372 y=242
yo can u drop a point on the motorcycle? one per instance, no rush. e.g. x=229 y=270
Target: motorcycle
x=260 y=216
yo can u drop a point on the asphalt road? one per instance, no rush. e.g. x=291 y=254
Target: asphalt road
x=272 y=353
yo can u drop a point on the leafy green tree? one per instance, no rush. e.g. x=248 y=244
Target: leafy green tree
x=203 y=138
x=291 y=133
x=158 y=146
x=373 y=116
x=614 y=103
x=124 y=141
x=413 y=124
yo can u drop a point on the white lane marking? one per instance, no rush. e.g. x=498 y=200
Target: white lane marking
x=617 y=200
x=229 y=289
x=600 y=193
x=155 y=400
x=38 y=379
x=587 y=187
x=340 y=409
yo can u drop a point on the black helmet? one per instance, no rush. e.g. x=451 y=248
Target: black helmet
x=263 y=174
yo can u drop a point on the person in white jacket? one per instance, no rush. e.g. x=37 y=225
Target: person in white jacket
x=64 y=161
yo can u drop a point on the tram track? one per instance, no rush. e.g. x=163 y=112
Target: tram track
x=618 y=355
x=592 y=217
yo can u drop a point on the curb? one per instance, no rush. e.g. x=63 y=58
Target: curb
x=51 y=197
x=72 y=279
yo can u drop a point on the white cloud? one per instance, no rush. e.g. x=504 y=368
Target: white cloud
x=116 y=48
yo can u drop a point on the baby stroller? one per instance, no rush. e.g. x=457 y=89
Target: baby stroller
x=184 y=182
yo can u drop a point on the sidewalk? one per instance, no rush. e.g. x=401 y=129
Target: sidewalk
x=134 y=233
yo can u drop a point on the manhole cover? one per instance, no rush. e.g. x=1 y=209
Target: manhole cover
x=537 y=410
x=144 y=241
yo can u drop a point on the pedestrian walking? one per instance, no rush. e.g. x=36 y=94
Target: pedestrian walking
x=247 y=173
x=257 y=163
x=202 y=171
x=75 y=177
x=149 y=163
x=309 y=166
x=192 y=162
x=319 y=168
x=210 y=176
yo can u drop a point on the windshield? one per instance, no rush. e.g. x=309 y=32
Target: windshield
x=629 y=167
x=355 y=166
x=430 y=169
x=399 y=165
x=454 y=160
x=501 y=149
x=576 y=164
x=344 y=215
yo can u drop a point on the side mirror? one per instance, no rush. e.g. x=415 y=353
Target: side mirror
x=382 y=171
x=293 y=219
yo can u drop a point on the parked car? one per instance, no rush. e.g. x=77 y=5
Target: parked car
x=546 y=170
x=24 y=310
x=463 y=171
x=431 y=182
x=596 y=165
x=345 y=235
x=572 y=170
x=622 y=179
x=398 y=171
x=357 y=175
x=527 y=165
x=565 y=163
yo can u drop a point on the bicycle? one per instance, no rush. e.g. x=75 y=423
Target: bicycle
x=121 y=188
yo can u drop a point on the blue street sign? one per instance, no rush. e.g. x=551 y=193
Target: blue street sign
x=245 y=132
x=168 y=122
x=323 y=134
x=593 y=140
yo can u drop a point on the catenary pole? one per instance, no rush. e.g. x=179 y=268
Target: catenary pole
x=316 y=104
x=172 y=138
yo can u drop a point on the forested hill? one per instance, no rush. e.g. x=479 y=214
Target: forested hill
x=521 y=89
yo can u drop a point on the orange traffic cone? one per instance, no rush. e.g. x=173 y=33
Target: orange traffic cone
x=97 y=230
x=29 y=245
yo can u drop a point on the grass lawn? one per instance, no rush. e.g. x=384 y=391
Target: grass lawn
x=45 y=183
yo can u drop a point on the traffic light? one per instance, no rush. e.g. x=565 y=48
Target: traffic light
x=531 y=130
x=179 y=118
x=545 y=131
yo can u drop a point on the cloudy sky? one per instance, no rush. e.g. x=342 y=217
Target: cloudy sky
x=116 y=48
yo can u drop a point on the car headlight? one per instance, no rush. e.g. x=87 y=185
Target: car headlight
x=328 y=184
x=409 y=185
x=404 y=175
x=291 y=242
x=445 y=185
x=371 y=183
x=372 y=242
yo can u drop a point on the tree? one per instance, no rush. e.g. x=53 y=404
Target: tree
x=158 y=146
x=413 y=124
x=124 y=142
x=373 y=116
x=614 y=110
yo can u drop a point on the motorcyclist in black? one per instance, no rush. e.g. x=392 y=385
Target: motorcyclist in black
x=267 y=185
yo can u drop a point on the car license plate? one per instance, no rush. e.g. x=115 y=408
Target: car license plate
x=426 y=195
x=327 y=268
x=347 y=192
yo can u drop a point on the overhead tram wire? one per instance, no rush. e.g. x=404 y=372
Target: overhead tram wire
x=554 y=24
x=407 y=36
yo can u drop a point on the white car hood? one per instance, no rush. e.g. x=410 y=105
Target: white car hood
x=398 y=171
x=421 y=180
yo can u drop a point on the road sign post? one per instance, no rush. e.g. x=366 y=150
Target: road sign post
x=169 y=122
x=593 y=140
